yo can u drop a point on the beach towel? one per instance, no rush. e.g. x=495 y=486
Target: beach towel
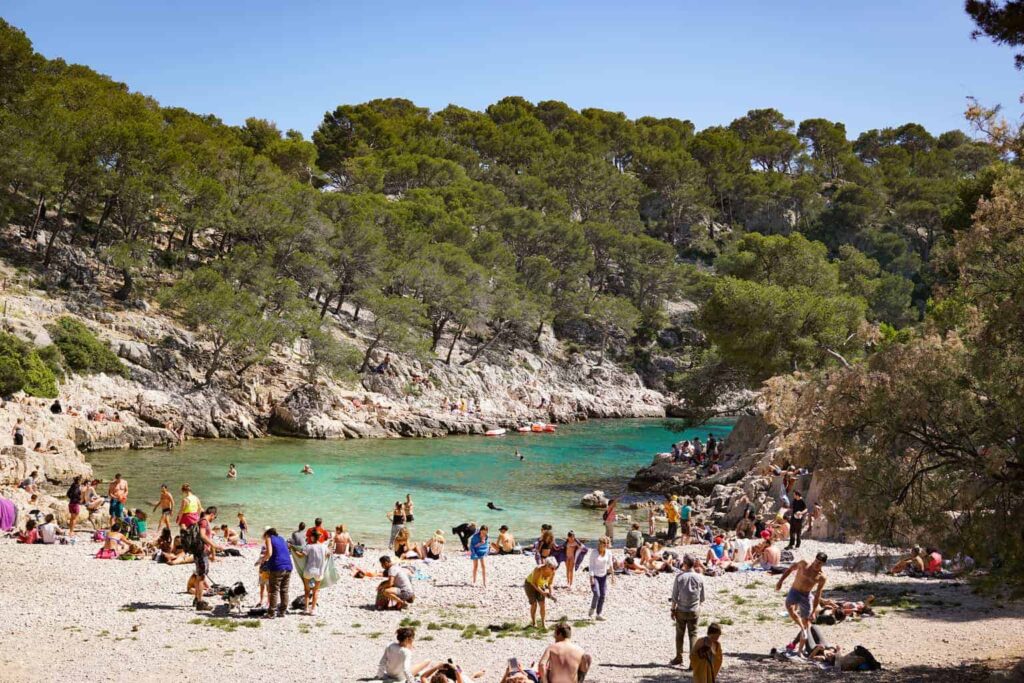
x=331 y=575
x=8 y=514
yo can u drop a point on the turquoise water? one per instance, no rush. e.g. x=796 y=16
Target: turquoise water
x=451 y=479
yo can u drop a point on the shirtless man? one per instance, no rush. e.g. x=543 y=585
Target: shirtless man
x=506 y=542
x=166 y=505
x=562 y=661
x=118 y=492
x=798 y=601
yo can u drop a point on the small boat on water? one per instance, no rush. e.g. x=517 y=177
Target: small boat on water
x=494 y=432
x=538 y=427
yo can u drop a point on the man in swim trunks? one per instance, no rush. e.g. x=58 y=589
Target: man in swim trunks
x=563 y=661
x=166 y=505
x=118 y=492
x=798 y=600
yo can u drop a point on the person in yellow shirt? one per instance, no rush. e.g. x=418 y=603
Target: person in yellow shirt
x=538 y=588
x=672 y=514
x=706 y=656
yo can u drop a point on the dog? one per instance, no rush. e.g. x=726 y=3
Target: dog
x=234 y=596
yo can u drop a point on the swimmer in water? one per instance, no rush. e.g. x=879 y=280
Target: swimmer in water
x=306 y=469
x=519 y=455
x=492 y=506
x=232 y=472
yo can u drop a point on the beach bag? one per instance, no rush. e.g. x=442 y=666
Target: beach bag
x=787 y=557
x=191 y=541
x=870 y=663
x=358 y=550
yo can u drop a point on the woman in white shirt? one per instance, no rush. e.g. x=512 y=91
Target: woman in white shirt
x=600 y=567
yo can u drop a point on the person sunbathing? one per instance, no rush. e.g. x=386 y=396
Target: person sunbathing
x=506 y=542
x=115 y=545
x=851 y=608
x=177 y=554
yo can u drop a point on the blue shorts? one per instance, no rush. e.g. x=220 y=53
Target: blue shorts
x=116 y=509
x=801 y=600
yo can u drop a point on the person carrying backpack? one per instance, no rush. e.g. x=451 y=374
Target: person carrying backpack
x=198 y=540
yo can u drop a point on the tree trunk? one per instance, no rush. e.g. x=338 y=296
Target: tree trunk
x=40 y=213
x=366 y=357
x=107 y=207
x=327 y=304
x=436 y=330
x=125 y=291
x=451 y=347
x=214 y=366
x=483 y=347
x=57 y=228
x=355 y=313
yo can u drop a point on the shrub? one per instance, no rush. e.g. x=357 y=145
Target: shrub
x=83 y=351
x=21 y=369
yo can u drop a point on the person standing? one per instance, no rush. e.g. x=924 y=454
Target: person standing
x=118 y=492
x=191 y=507
x=18 y=432
x=278 y=566
x=809 y=577
x=600 y=567
x=74 y=503
x=687 y=598
x=538 y=589
x=796 y=520
x=479 y=546
x=609 y=519
x=706 y=656
x=407 y=508
x=206 y=546
x=166 y=506
x=315 y=553
x=572 y=549
x=672 y=515
x=685 y=513
x=397 y=517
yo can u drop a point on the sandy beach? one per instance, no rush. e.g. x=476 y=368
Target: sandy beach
x=69 y=616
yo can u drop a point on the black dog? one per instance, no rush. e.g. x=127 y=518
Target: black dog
x=234 y=596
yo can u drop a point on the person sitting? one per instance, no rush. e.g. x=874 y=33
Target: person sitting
x=30 y=535
x=506 y=543
x=56 y=408
x=716 y=552
x=767 y=554
x=634 y=538
x=115 y=545
x=563 y=660
x=434 y=548
x=396 y=662
x=913 y=562
x=49 y=532
x=342 y=540
x=229 y=534
x=28 y=484
x=177 y=554
x=396 y=591
x=404 y=548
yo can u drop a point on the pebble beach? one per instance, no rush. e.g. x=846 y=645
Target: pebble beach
x=68 y=616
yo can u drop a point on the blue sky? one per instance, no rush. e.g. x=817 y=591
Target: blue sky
x=869 y=63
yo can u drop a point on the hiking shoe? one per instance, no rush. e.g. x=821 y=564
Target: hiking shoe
x=599 y=618
x=592 y=613
x=676 y=662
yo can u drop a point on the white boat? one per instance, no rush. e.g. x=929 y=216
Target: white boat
x=494 y=432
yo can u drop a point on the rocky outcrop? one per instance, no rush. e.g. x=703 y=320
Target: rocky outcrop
x=594 y=499
x=58 y=467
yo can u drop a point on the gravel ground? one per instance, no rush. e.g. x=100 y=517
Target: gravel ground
x=67 y=616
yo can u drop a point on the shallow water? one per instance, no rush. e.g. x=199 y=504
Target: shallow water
x=451 y=479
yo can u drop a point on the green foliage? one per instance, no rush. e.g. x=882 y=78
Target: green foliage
x=767 y=329
x=21 y=369
x=82 y=351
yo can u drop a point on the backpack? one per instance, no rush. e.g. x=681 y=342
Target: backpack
x=191 y=541
x=870 y=663
x=133 y=529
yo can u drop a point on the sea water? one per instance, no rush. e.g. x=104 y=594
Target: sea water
x=451 y=480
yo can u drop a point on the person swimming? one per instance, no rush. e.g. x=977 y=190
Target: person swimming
x=492 y=506
x=519 y=455
x=306 y=469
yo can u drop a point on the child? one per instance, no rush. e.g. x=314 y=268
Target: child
x=140 y=522
x=29 y=535
x=264 y=576
x=243 y=528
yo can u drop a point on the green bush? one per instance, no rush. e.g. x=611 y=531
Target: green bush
x=83 y=351
x=21 y=369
